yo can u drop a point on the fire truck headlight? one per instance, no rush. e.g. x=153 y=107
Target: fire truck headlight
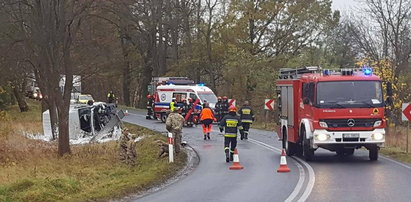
x=377 y=123
x=321 y=137
x=378 y=136
x=323 y=124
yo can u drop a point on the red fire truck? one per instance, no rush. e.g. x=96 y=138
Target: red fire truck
x=338 y=111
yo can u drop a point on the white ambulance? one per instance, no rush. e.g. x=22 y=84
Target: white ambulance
x=165 y=93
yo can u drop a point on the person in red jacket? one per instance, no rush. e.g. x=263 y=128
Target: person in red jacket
x=207 y=118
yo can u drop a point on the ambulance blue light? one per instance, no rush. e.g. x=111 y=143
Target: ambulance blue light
x=367 y=71
x=200 y=84
x=327 y=72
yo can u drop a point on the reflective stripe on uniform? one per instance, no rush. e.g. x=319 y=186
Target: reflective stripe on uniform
x=231 y=123
x=246 y=121
x=246 y=111
x=230 y=135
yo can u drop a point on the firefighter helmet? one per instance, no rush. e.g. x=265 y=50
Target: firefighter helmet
x=225 y=98
x=232 y=108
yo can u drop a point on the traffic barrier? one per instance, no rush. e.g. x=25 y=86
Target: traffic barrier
x=236 y=162
x=283 y=163
x=126 y=113
x=170 y=148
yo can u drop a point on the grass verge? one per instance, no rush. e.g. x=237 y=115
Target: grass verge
x=30 y=170
x=264 y=126
x=397 y=154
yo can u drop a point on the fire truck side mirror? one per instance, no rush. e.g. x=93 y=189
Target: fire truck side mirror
x=306 y=101
x=389 y=89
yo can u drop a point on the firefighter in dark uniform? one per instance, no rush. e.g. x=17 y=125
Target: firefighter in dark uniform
x=247 y=118
x=224 y=107
x=111 y=97
x=150 y=103
x=218 y=109
x=184 y=107
x=231 y=123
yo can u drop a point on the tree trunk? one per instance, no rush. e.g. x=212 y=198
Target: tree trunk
x=126 y=67
x=126 y=83
x=53 y=119
x=21 y=101
x=64 y=140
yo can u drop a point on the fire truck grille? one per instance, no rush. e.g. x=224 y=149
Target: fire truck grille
x=344 y=123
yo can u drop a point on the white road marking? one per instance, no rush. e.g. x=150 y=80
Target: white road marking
x=311 y=181
x=298 y=187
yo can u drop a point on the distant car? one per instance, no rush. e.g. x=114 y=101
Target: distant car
x=34 y=94
x=84 y=98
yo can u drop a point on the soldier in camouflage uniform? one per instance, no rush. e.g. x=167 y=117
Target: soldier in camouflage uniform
x=174 y=124
x=124 y=138
x=131 y=151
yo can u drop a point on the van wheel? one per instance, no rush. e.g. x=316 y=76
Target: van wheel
x=163 y=118
x=308 y=153
x=373 y=153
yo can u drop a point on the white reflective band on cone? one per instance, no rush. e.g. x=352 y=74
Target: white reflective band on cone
x=236 y=158
x=283 y=160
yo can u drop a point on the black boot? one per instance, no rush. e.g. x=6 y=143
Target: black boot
x=208 y=135
x=227 y=157
x=231 y=156
x=246 y=135
x=242 y=137
x=205 y=137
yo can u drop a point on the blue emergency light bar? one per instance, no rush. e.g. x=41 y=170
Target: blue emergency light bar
x=200 y=84
x=367 y=71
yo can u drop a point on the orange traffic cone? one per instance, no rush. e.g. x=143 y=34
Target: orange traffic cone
x=236 y=162
x=126 y=113
x=283 y=163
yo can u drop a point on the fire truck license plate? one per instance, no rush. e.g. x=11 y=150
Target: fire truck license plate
x=351 y=135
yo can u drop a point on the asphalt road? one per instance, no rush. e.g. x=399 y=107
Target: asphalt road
x=328 y=178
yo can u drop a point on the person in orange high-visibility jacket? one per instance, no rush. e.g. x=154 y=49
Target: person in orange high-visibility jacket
x=207 y=118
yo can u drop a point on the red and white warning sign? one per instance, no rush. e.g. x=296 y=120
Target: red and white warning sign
x=231 y=102
x=406 y=111
x=269 y=104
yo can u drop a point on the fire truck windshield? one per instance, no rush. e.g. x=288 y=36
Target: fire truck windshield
x=343 y=94
x=209 y=96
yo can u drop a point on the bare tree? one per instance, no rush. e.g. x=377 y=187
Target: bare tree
x=49 y=28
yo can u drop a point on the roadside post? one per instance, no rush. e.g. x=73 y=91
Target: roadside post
x=268 y=106
x=406 y=116
x=170 y=148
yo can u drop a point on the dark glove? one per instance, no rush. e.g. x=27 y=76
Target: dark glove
x=221 y=129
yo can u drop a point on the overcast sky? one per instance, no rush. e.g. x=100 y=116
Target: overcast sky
x=344 y=5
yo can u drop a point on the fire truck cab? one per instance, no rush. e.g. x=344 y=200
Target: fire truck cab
x=338 y=111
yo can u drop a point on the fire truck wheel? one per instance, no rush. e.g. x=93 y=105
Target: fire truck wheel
x=290 y=148
x=373 y=153
x=163 y=118
x=308 y=153
x=349 y=152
